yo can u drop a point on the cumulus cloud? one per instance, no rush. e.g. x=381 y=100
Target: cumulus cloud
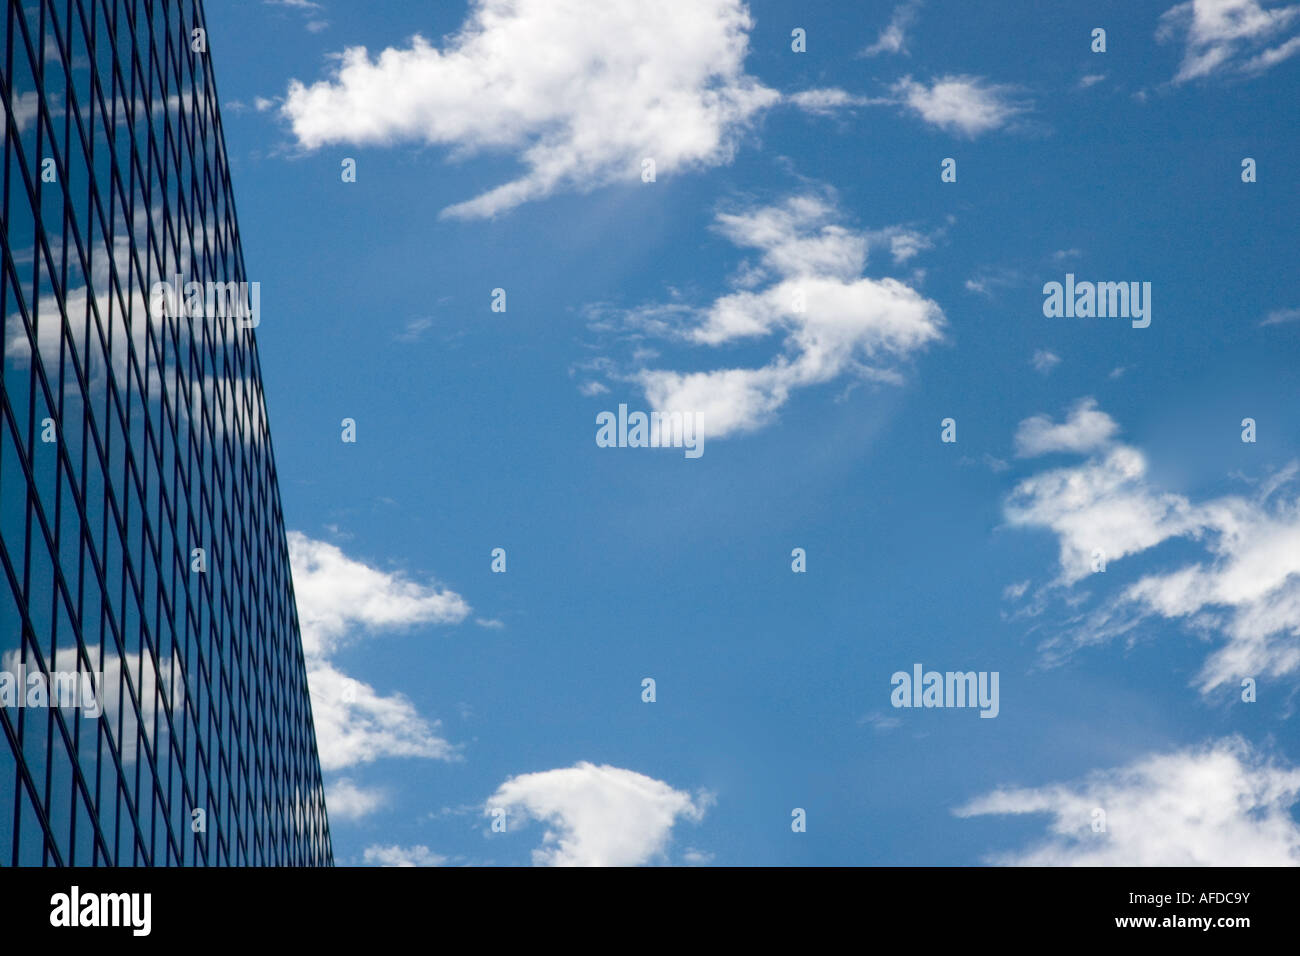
x=349 y=801
x=579 y=92
x=339 y=599
x=337 y=595
x=598 y=815
x=1244 y=592
x=402 y=856
x=1230 y=36
x=1219 y=804
x=1104 y=505
x=966 y=105
x=1085 y=430
x=807 y=287
x=355 y=724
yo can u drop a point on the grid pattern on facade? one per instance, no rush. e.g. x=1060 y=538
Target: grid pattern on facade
x=131 y=438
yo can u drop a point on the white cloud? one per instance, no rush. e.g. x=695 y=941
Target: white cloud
x=1104 y=504
x=893 y=38
x=598 y=815
x=338 y=598
x=991 y=462
x=232 y=407
x=1014 y=592
x=1230 y=36
x=967 y=105
x=623 y=80
x=26 y=107
x=356 y=725
x=903 y=243
x=414 y=330
x=1044 y=361
x=1281 y=316
x=880 y=723
x=798 y=237
x=1254 y=576
x=403 y=856
x=826 y=100
x=337 y=595
x=98 y=305
x=1220 y=804
x=1090 y=79
x=1087 y=429
x=113 y=679
x=1245 y=592
x=807 y=287
x=1272 y=56
x=345 y=800
x=987 y=282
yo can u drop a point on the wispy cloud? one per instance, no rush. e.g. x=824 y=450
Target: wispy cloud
x=1014 y=592
x=1244 y=593
x=1230 y=36
x=879 y=722
x=1281 y=317
x=893 y=38
x=827 y=100
x=988 y=281
x=1220 y=804
x=808 y=287
x=414 y=330
x=1044 y=361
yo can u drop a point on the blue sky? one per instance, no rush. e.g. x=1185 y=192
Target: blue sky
x=779 y=171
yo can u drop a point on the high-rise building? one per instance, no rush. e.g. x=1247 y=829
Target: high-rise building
x=153 y=693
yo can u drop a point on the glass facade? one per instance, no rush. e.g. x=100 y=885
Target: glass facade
x=153 y=693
